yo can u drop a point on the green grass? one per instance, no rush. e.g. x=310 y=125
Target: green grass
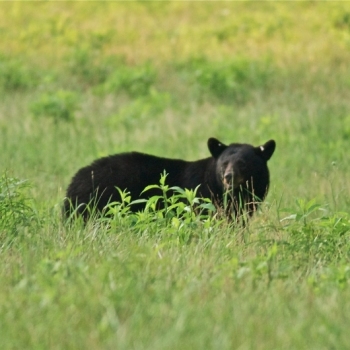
x=82 y=80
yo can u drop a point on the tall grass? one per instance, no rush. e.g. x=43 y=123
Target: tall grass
x=79 y=81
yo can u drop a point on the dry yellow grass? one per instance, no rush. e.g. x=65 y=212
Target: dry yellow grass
x=301 y=32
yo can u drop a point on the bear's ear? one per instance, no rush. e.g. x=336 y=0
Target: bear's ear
x=266 y=150
x=215 y=147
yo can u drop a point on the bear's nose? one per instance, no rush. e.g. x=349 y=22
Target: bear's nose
x=228 y=178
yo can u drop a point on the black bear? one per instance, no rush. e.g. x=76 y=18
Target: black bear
x=237 y=170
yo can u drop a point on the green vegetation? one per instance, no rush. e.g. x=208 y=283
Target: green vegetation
x=83 y=80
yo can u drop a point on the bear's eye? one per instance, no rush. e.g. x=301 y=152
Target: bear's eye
x=224 y=165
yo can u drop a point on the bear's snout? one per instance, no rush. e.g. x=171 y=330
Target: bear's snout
x=228 y=178
x=231 y=179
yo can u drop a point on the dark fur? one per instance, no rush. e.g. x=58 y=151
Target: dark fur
x=237 y=169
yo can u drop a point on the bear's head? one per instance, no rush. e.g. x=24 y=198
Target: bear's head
x=242 y=167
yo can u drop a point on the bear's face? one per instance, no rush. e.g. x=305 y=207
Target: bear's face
x=241 y=165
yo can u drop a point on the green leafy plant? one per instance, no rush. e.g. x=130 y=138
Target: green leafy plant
x=316 y=232
x=135 y=81
x=304 y=210
x=171 y=207
x=230 y=80
x=16 y=210
x=60 y=105
x=90 y=69
x=141 y=110
x=16 y=75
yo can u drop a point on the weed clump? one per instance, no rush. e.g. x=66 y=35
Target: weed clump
x=60 y=105
x=134 y=81
x=16 y=210
x=231 y=80
x=16 y=76
x=178 y=213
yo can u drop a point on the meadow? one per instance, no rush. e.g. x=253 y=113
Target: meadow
x=81 y=80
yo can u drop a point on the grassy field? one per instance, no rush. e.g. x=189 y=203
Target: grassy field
x=82 y=80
